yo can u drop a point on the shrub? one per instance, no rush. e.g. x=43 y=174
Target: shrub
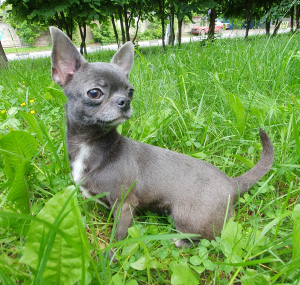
x=105 y=34
x=153 y=31
x=29 y=32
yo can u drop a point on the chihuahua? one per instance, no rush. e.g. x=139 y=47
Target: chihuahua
x=195 y=193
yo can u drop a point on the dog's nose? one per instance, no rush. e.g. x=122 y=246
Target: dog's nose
x=123 y=103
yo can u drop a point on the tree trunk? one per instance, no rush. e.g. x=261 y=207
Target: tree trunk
x=66 y=26
x=115 y=29
x=71 y=23
x=161 y=6
x=126 y=23
x=249 y=8
x=121 y=23
x=82 y=30
x=268 y=25
x=172 y=30
x=267 y=7
x=297 y=17
x=3 y=58
x=137 y=26
x=277 y=25
x=212 y=19
x=131 y=16
x=292 y=12
x=58 y=22
x=179 y=31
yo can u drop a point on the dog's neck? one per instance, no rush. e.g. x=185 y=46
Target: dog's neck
x=92 y=134
x=104 y=146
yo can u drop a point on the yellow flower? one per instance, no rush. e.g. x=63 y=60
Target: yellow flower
x=23 y=82
x=23 y=104
x=32 y=112
x=31 y=101
x=3 y=111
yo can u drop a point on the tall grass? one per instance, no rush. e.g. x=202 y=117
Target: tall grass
x=207 y=100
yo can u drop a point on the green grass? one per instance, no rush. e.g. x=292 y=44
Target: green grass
x=205 y=100
x=26 y=49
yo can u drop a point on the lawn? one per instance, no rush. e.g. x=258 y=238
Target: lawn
x=26 y=49
x=206 y=100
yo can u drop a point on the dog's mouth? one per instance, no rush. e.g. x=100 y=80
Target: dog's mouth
x=106 y=123
x=116 y=122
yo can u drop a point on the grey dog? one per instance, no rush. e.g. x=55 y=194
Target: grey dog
x=195 y=193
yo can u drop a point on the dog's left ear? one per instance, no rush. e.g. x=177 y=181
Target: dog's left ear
x=65 y=57
x=124 y=57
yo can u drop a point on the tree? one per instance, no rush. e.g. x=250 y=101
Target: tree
x=267 y=4
x=161 y=14
x=63 y=13
x=44 y=11
x=212 y=20
x=3 y=58
x=184 y=9
x=297 y=16
x=292 y=12
x=241 y=9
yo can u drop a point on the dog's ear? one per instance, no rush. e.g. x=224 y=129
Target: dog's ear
x=124 y=57
x=65 y=58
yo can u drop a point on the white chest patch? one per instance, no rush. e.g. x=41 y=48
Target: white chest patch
x=78 y=166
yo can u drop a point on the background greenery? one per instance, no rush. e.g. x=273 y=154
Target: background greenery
x=206 y=100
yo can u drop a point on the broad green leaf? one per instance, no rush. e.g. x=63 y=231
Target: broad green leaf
x=239 y=111
x=183 y=275
x=244 y=160
x=57 y=94
x=157 y=265
x=232 y=233
x=205 y=242
x=18 y=194
x=226 y=248
x=195 y=260
x=140 y=264
x=134 y=232
x=200 y=155
x=203 y=252
x=252 y=278
x=17 y=146
x=31 y=122
x=198 y=269
x=130 y=249
x=132 y=282
x=209 y=265
x=117 y=279
x=152 y=230
x=296 y=232
x=57 y=260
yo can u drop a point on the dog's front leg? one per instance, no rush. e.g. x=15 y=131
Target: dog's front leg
x=124 y=213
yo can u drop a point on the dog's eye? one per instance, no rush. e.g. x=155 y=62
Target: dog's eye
x=95 y=93
x=130 y=93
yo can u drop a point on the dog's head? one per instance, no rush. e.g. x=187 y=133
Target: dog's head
x=98 y=93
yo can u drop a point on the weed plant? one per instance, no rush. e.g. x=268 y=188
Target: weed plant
x=206 y=100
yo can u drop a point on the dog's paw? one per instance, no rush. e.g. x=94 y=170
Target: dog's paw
x=186 y=243
x=111 y=255
x=182 y=243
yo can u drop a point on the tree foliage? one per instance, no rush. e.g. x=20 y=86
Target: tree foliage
x=70 y=15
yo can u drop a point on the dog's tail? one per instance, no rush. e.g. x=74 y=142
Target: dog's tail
x=246 y=180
